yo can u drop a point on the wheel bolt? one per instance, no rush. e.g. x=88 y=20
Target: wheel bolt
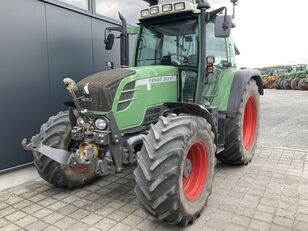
x=187 y=167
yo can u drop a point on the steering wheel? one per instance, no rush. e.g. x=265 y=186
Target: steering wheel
x=177 y=61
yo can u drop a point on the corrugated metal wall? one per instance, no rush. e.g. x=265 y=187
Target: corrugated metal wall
x=40 y=44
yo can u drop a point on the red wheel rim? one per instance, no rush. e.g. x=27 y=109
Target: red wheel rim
x=270 y=85
x=194 y=183
x=81 y=169
x=249 y=122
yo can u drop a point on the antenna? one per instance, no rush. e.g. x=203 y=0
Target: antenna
x=234 y=2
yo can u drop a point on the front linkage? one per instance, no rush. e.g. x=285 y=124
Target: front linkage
x=95 y=144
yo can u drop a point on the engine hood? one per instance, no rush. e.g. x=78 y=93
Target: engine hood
x=103 y=86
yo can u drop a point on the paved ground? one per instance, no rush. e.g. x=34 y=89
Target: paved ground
x=284 y=119
x=269 y=194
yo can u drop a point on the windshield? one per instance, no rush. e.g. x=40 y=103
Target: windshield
x=172 y=43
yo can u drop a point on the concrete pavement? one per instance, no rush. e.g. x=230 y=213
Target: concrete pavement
x=269 y=194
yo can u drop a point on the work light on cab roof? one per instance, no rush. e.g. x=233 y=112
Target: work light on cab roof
x=168 y=8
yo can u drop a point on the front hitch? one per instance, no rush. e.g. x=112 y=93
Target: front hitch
x=88 y=156
x=27 y=146
x=58 y=155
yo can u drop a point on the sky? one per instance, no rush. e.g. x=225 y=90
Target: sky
x=130 y=9
x=268 y=32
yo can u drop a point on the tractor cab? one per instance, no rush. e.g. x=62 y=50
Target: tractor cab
x=191 y=37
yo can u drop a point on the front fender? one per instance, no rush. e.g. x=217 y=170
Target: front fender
x=194 y=109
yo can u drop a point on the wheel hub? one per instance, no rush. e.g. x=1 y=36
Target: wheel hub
x=187 y=168
x=195 y=170
x=249 y=122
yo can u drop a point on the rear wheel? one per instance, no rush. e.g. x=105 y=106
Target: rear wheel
x=303 y=84
x=277 y=84
x=56 y=133
x=286 y=84
x=242 y=131
x=295 y=84
x=176 y=168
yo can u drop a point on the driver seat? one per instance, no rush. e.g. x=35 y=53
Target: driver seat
x=166 y=60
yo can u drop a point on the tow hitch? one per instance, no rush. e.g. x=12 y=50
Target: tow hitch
x=58 y=155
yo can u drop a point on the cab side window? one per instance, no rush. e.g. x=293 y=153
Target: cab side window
x=231 y=51
x=216 y=47
x=147 y=53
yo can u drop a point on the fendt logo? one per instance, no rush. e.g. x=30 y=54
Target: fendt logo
x=161 y=79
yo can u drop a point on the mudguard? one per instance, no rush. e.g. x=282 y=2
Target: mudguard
x=194 y=109
x=240 y=81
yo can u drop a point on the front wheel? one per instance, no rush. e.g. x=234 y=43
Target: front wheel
x=176 y=168
x=56 y=134
x=242 y=131
x=270 y=85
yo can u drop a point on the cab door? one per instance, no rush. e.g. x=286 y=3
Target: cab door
x=219 y=48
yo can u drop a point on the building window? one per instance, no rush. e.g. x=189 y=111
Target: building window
x=83 y=4
x=130 y=9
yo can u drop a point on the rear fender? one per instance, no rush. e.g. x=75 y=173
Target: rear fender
x=240 y=81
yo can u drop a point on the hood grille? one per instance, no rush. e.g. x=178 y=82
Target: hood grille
x=127 y=96
x=102 y=88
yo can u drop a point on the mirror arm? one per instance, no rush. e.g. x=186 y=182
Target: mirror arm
x=109 y=29
x=213 y=13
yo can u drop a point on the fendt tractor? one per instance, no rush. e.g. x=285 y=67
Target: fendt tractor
x=180 y=105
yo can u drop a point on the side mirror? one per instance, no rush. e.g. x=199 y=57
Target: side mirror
x=109 y=42
x=223 y=24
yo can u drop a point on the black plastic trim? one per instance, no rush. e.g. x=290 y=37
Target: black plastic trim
x=240 y=81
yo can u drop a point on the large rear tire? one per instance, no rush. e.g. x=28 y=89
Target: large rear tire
x=286 y=84
x=303 y=84
x=242 y=131
x=295 y=84
x=176 y=168
x=56 y=133
x=277 y=84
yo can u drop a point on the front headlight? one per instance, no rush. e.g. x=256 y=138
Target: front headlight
x=101 y=123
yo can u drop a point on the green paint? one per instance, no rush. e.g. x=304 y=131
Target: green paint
x=145 y=96
x=219 y=88
x=134 y=30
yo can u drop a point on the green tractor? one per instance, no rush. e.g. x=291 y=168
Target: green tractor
x=296 y=81
x=181 y=105
x=299 y=80
x=282 y=82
